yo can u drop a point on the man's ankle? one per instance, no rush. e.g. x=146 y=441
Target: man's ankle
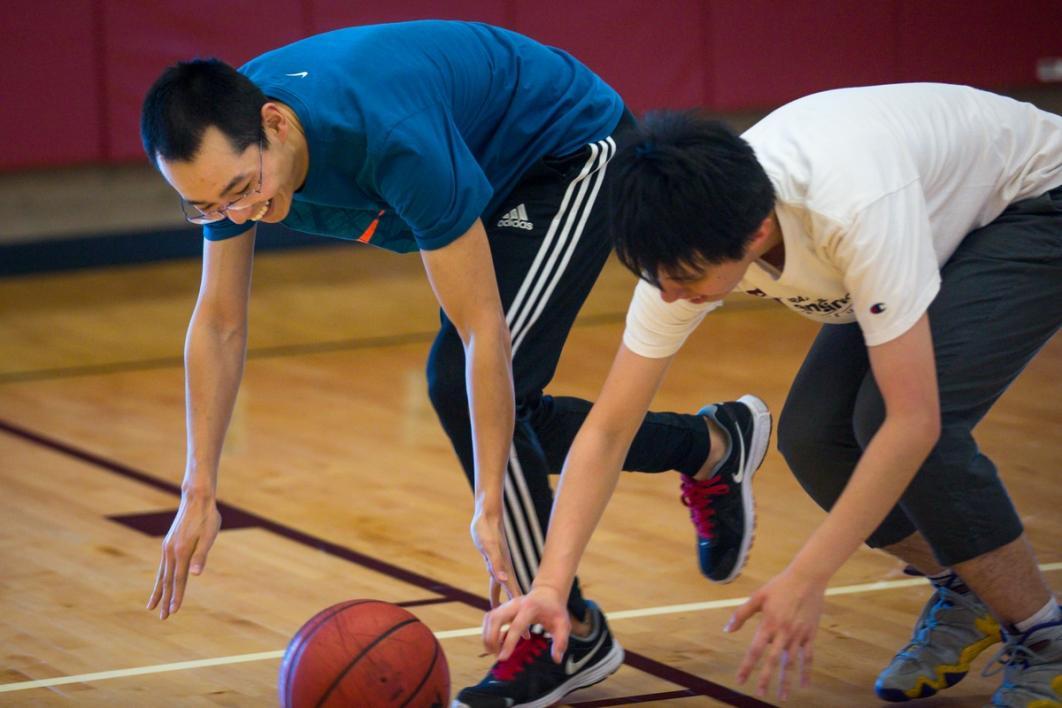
x=718 y=449
x=582 y=628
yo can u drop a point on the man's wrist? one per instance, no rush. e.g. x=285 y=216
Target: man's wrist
x=489 y=503
x=812 y=568
x=198 y=489
x=547 y=584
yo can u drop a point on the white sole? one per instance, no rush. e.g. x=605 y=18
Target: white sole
x=598 y=673
x=601 y=671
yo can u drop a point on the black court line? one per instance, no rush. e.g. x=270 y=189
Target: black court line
x=171 y=362
x=246 y=519
x=341 y=345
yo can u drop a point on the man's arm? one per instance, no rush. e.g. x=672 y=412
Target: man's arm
x=215 y=348
x=587 y=482
x=594 y=463
x=905 y=371
x=462 y=276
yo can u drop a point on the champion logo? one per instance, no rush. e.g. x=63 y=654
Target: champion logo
x=517 y=218
x=877 y=308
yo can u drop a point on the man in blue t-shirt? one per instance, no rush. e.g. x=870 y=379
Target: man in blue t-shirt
x=487 y=153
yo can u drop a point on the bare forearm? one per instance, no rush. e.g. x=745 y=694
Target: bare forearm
x=594 y=463
x=214 y=358
x=587 y=483
x=491 y=406
x=887 y=466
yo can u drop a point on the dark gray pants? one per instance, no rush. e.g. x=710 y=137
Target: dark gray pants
x=1000 y=302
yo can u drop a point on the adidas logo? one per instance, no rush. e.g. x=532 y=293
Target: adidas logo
x=517 y=218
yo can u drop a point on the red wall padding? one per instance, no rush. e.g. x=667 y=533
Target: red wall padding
x=143 y=38
x=766 y=52
x=50 y=94
x=75 y=71
x=986 y=43
x=652 y=53
x=332 y=14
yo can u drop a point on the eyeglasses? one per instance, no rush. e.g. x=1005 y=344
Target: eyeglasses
x=195 y=215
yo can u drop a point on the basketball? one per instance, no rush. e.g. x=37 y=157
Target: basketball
x=364 y=653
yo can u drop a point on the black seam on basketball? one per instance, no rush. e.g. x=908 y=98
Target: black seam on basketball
x=362 y=653
x=304 y=640
x=318 y=621
x=427 y=675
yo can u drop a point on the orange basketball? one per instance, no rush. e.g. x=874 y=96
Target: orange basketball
x=364 y=653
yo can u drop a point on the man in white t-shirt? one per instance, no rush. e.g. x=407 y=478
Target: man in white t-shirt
x=922 y=223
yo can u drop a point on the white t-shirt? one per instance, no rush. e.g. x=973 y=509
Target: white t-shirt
x=876 y=187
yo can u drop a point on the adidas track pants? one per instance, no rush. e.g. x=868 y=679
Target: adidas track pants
x=549 y=241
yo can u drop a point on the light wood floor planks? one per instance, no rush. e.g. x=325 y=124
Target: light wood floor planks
x=334 y=438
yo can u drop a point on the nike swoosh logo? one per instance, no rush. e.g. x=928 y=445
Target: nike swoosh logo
x=300 y=74
x=741 y=467
x=571 y=667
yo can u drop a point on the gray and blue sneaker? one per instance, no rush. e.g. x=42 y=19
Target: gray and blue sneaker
x=1032 y=666
x=530 y=678
x=721 y=507
x=953 y=629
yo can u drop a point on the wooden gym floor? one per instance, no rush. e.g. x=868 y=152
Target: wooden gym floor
x=337 y=483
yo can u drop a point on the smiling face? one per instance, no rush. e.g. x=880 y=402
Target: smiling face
x=254 y=185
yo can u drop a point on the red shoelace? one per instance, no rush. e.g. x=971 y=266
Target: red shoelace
x=526 y=651
x=698 y=496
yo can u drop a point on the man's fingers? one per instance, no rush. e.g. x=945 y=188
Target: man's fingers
x=512 y=589
x=518 y=628
x=491 y=630
x=202 y=548
x=198 y=562
x=502 y=569
x=807 y=657
x=785 y=673
x=167 y=586
x=495 y=592
x=156 y=592
x=742 y=614
x=771 y=662
x=493 y=624
x=752 y=656
x=560 y=641
x=180 y=579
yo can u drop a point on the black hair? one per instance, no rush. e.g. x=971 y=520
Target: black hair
x=686 y=192
x=190 y=96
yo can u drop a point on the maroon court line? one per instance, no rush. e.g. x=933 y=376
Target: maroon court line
x=630 y=700
x=421 y=603
x=643 y=663
x=246 y=519
x=697 y=684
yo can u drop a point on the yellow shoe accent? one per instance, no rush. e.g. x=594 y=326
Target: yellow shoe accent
x=988 y=626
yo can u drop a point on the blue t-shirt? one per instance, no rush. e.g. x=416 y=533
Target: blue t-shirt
x=416 y=129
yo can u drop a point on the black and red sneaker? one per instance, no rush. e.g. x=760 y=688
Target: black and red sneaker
x=529 y=678
x=721 y=507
